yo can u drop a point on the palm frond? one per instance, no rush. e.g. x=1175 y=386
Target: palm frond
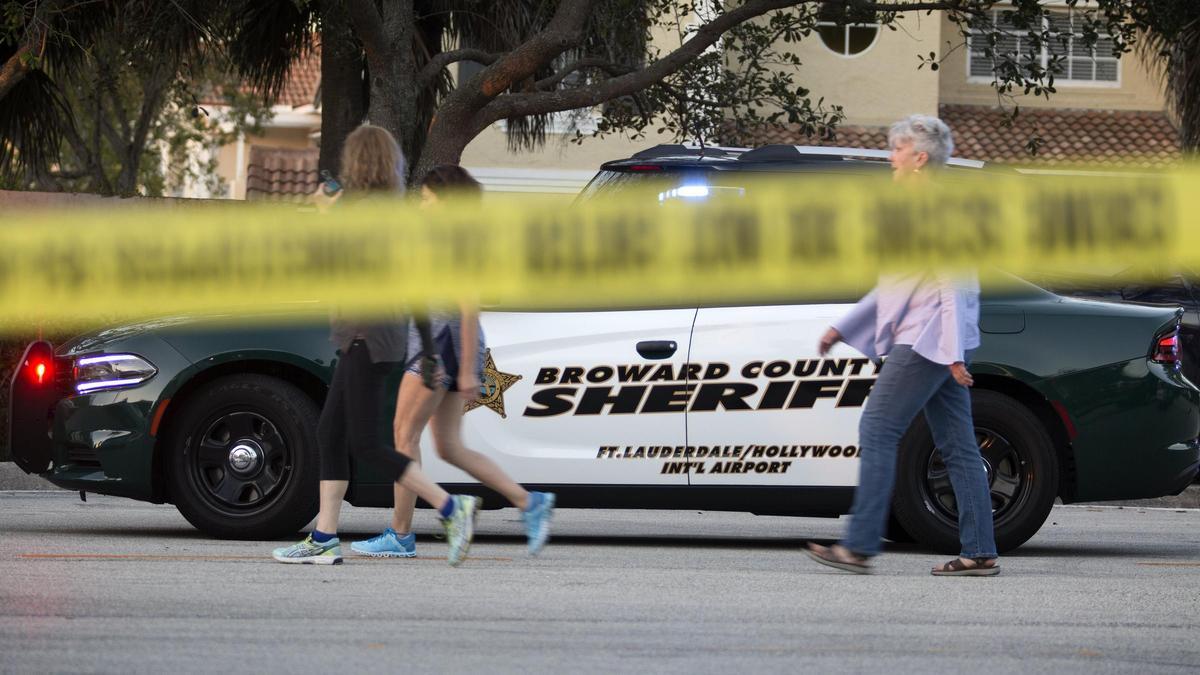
x=264 y=37
x=1172 y=43
x=32 y=118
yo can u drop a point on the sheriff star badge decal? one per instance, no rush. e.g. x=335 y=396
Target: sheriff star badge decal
x=495 y=383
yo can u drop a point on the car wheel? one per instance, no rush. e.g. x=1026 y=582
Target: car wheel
x=896 y=533
x=1022 y=476
x=243 y=459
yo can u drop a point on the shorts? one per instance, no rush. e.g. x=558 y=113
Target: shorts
x=447 y=357
x=446 y=329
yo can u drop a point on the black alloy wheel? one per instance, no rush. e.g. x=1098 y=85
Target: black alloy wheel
x=241 y=461
x=1022 y=474
x=1009 y=477
x=242 y=458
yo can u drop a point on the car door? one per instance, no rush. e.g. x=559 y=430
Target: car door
x=777 y=414
x=579 y=397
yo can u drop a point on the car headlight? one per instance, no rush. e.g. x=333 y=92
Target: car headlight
x=111 y=371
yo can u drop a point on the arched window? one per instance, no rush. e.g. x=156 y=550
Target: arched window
x=847 y=32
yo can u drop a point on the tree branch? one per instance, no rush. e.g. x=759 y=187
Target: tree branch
x=561 y=33
x=17 y=66
x=31 y=47
x=108 y=82
x=445 y=59
x=520 y=104
x=152 y=103
x=614 y=69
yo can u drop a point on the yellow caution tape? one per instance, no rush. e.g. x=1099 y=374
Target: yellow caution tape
x=805 y=237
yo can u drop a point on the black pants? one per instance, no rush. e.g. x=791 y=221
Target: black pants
x=353 y=417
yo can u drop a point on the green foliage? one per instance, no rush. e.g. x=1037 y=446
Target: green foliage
x=731 y=93
x=107 y=62
x=112 y=105
x=113 y=91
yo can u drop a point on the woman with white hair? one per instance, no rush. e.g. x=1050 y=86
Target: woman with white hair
x=927 y=324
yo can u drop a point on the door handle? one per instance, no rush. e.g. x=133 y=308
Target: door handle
x=657 y=349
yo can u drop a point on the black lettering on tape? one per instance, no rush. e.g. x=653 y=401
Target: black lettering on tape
x=812 y=234
x=724 y=237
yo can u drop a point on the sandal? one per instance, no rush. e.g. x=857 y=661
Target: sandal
x=838 y=557
x=978 y=567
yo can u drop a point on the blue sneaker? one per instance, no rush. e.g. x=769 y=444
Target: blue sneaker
x=388 y=545
x=537 y=520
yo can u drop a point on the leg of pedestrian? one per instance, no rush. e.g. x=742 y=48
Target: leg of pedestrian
x=905 y=383
x=949 y=415
x=537 y=508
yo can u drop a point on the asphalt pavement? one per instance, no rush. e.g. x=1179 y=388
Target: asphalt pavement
x=114 y=585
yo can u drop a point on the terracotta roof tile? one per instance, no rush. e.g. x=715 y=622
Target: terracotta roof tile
x=1115 y=138
x=282 y=174
x=303 y=81
x=300 y=88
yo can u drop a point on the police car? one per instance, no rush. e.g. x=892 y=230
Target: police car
x=693 y=407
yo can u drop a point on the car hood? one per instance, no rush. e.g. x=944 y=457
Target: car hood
x=165 y=327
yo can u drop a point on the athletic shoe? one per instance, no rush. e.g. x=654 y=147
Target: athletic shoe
x=537 y=520
x=310 y=552
x=388 y=545
x=460 y=527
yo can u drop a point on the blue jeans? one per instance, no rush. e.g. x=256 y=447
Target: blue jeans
x=907 y=384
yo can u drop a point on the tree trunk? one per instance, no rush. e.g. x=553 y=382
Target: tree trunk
x=448 y=137
x=387 y=35
x=343 y=92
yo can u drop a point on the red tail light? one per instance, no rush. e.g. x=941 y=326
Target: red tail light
x=645 y=167
x=1166 y=349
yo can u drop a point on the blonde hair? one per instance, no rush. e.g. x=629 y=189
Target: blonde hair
x=372 y=161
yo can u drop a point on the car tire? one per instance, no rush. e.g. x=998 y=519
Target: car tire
x=896 y=533
x=1022 y=474
x=243 y=459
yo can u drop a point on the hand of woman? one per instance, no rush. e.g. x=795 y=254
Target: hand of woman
x=828 y=340
x=960 y=374
x=468 y=386
x=323 y=200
